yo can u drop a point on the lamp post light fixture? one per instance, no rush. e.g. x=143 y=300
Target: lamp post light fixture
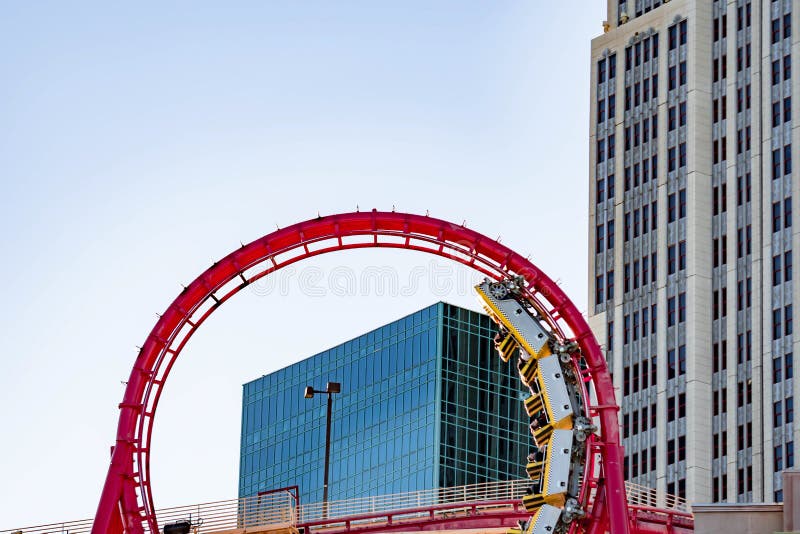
x=332 y=387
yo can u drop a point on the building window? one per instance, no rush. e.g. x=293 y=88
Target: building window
x=599 y=289
x=776 y=324
x=671 y=311
x=671 y=371
x=610 y=232
x=682 y=202
x=610 y=285
x=671 y=259
x=682 y=255
x=787 y=266
x=776 y=270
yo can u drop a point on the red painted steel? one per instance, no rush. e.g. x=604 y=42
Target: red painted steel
x=126 y=503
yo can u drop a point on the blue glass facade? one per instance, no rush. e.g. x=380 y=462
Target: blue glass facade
x=425 y=403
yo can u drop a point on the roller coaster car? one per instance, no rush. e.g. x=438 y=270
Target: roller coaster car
x=549 y=405
x=536 y=463
x=552 y=484
x=505 y=344
x=544 y=521
x=514 y=317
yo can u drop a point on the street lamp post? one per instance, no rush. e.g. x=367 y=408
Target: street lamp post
x=332 y=387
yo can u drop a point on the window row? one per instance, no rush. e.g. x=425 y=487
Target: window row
x=677 y=302
x=719 y=353
x=719 y=150
x=744 y=485
x=605 y=148
x=782 y=322
x=743 y=138
x=676 y=257
x=676 y=406
x=719 y=68
x=719 y=199
x=720 y=27
x=607 y=67
x=744 y=241
x=719 y=445
x=720 y=402
x=676 y=206
x=743 y=189
x=641 y=132
x=777 y=70
x=641 y=173
x=639 y=376
x=744 y=294
x=719 y=303
x=779 y=23
x=638 y=324
x=782 y=367
x=719 y=109
x=640 y=221
x=604 y=237
x=604 y=287
x=645 y=420
x=641 y=92
x=640 y=273
x=743 y=54
x=672 y=449
x=676 y=116
x=720 y=250
x=744 y=396
x=637 y=463
x=680 y=162
x=782 y=268
x=604 y=104
x=640 y=52
x=776 y=162
x=744 y=15
x=677 y=34
x=676 y=75
x=644 y=6
x=605 y=188
x=777 y=107
x=780 y=418
x=743 y=98
x=676 y=362
x=744 y=347
x=778 y=456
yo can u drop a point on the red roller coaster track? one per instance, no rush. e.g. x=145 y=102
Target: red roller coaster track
x=126 y=503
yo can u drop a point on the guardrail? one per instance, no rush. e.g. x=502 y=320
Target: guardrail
x=278 y=509
x=644 y=496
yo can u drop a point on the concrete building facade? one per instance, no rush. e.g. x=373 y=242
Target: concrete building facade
x=692 y=245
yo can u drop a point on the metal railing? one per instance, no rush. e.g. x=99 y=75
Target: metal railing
x=279 y=510
x=644 y=496
x=490 y=491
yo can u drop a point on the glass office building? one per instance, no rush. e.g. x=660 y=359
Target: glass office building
x=425 y=403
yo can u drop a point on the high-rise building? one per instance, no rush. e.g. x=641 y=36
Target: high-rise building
x=692 y=241
x=425 y=403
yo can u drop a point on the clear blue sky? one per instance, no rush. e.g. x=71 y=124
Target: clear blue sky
x=141 y=142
